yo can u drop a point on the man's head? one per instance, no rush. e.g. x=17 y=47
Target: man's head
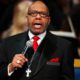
x=38 y=17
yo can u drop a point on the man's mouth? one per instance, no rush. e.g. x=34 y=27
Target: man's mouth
x=37 y=25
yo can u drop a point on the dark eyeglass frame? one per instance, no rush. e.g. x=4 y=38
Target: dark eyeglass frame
x=41 y=13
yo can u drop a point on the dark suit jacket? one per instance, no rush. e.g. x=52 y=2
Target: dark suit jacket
x=54 y=60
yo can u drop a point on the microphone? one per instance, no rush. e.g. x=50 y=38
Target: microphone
x=28 y=45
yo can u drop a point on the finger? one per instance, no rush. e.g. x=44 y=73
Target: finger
x=22 y=61
x=21 y=57
x=19 y=65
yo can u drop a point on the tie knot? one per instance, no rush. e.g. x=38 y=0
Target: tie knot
x=36 y=38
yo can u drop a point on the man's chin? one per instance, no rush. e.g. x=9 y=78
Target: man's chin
x=36 y=33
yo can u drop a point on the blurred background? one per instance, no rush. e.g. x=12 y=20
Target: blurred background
x=65 y=19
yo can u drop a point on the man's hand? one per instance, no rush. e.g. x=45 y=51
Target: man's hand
x=17 y=62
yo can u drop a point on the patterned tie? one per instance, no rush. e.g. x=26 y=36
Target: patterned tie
x=35 y=44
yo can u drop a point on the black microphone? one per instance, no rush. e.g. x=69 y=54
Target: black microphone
x=28 y=45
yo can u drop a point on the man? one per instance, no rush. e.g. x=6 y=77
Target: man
x=52 y=60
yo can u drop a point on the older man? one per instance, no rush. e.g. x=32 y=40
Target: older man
x=52 y=57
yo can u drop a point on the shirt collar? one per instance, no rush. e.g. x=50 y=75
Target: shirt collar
x=41 y=36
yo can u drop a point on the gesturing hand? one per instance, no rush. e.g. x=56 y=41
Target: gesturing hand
x=17 y=62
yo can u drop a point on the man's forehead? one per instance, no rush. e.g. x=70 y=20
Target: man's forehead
x=38 y=5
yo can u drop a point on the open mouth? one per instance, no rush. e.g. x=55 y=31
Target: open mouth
x=37 y=25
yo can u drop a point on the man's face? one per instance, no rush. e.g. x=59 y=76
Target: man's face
x=38 y=17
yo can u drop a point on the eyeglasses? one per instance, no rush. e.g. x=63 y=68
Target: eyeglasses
x=35 y=13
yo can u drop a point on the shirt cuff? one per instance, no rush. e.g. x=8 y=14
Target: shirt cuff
x=9 y=73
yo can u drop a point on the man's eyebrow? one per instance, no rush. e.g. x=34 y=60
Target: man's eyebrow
x=37 y=11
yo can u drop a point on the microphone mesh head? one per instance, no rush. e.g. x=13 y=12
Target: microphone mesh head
x=29 y=43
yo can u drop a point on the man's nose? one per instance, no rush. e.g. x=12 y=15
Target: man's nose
x=38 y=16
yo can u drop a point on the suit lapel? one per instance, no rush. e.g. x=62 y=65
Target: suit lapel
x=21 y=41
x=16 y=44
x=43 y=55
